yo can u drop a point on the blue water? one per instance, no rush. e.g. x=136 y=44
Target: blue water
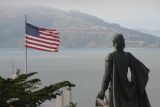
x=84 y=67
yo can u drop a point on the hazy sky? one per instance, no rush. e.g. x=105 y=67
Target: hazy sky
x=143 y=14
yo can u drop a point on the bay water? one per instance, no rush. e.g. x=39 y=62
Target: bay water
x=83 y=67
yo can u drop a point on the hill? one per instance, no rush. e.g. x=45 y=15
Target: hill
x=77 y=30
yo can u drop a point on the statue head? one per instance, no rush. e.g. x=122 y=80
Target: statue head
x=118 y=42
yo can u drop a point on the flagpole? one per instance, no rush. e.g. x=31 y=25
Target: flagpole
x=25 y=44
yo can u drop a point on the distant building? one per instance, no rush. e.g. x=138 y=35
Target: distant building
x=67 y=96
x=59 y=99
x=16 y=73
x=64 y=98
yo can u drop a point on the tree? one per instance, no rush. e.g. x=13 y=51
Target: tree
x=72 y=104
x=27 y=92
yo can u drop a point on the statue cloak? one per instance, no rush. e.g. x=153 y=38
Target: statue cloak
x=126 y=93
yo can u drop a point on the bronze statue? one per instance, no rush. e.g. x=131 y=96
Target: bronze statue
x=122 y=92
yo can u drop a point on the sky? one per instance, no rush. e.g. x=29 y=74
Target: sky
x=142 y=14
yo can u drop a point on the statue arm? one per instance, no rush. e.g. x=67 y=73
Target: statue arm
x=107 y=76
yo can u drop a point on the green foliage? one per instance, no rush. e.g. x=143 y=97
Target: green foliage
x=27 y=91
x=72 y=104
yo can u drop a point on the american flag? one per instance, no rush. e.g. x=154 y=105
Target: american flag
x=42 y=38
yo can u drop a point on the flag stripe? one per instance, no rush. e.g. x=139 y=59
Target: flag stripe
x=47 y=29
x=42 y=45
x=44 y=38
x=55 y=45
x=41 y=40
x=49 y=34
x=40 y=48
